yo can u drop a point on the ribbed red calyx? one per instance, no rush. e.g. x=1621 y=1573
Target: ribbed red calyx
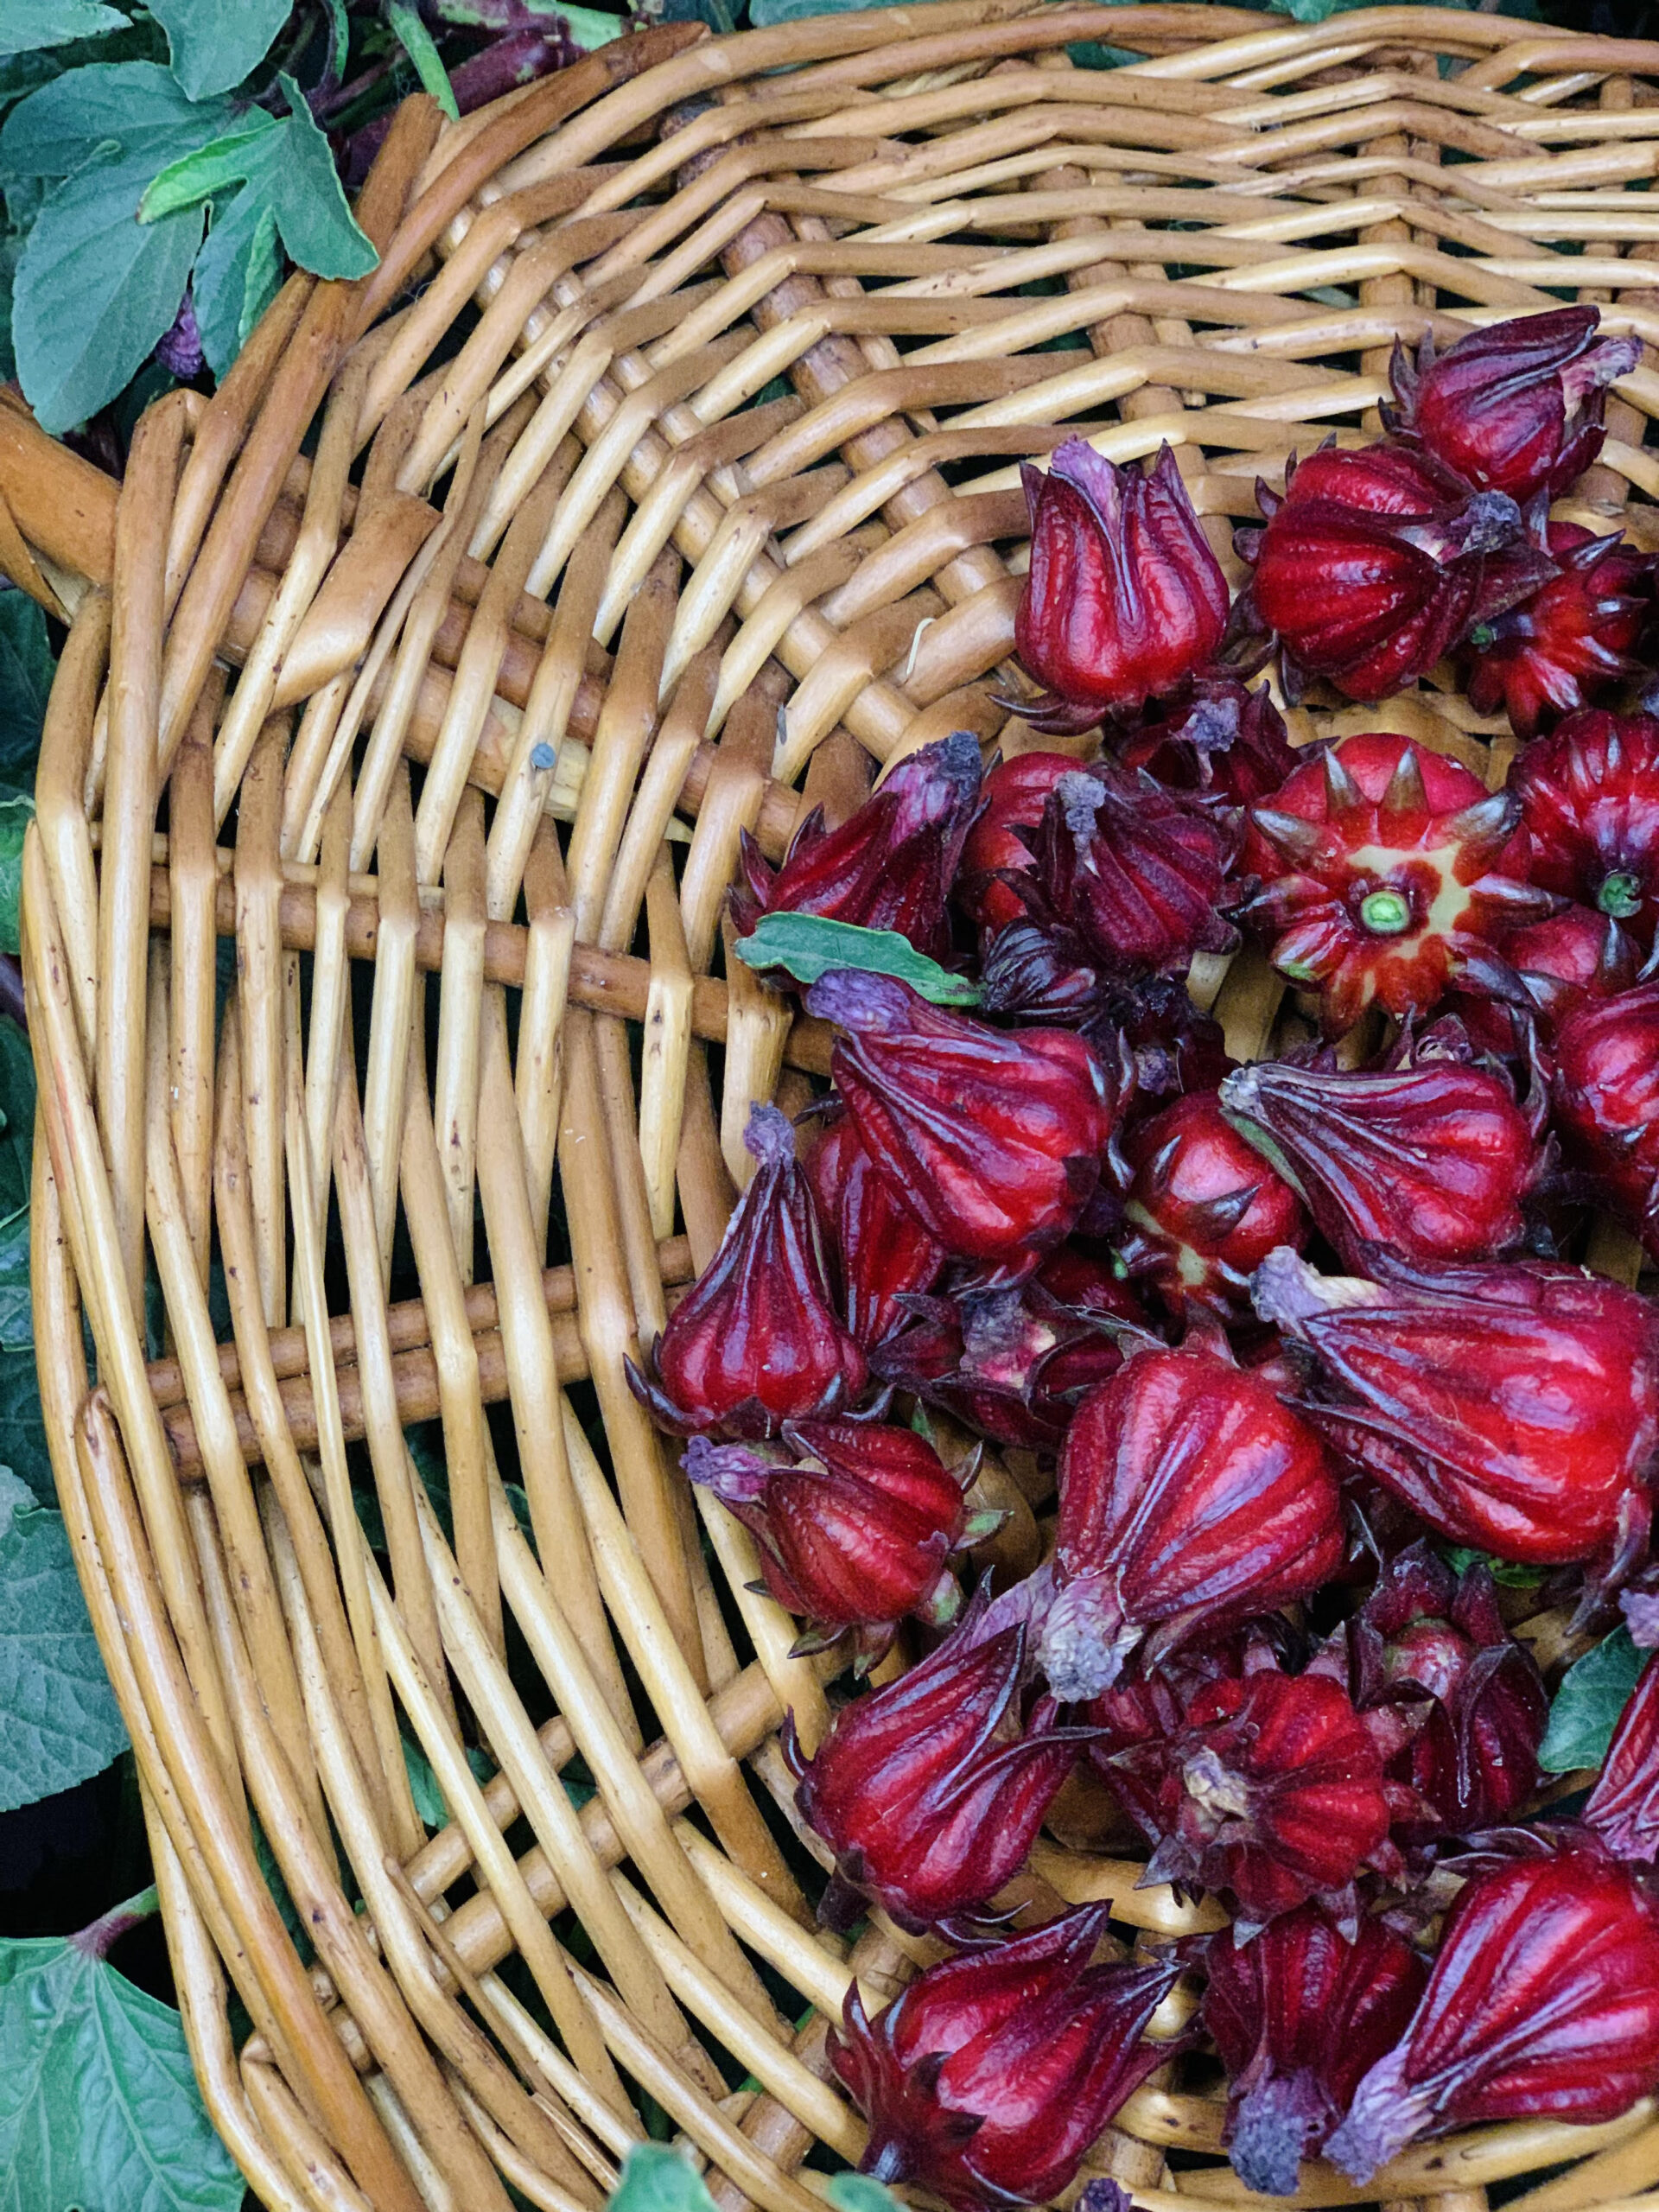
x=1138 y=872
x=1559 y=962
x=1607 y=1094
x=1300 y=2014
x=882 y=1253
x=1374 y=563
x=756 y=1341
x=993 y=1139
x=1190 y=1499
x=1387 y=873
x=1430 y=1648
x=989 y=2076
x=1271 y=1788
x=1542 y=2003
x=890 y=865
x=1012 y=1364
x=1014 y=794
x=1203 y=1208
x=1431 y=1160
x=1514 y=1408
x=854 y=1526
x=1124 y=598
x=1623 y=1808
x=1589 y=795
x=1220 y=738
x=1565 y=646
x=931 y=1792
x=1518 y=408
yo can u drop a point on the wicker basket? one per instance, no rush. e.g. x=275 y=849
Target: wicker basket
x=666 y=463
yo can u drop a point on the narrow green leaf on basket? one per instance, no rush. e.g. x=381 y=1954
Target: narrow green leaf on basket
x=212 y=44
x=26 y=26
x=415 y=40
x=99 y=2105
x=59 y=1721
x=235 y=278
x=1593 y=1695
x=810 y=945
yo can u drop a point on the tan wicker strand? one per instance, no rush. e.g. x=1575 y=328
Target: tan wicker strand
x=437 y=666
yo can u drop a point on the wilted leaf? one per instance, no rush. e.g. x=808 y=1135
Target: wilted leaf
x=810 y=945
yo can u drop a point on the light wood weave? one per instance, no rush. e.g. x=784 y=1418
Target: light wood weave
x=418 y=686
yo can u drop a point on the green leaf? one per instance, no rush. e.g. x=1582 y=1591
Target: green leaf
x=339 y=37
x=1587 y=1705
x=1507 y=1573
x=58 y=1722
x=95 y=290
x=26 y=668
x=26 y=25
x=658 y=2179
x=136 y=106
x=99 y=2106
x=214 y=44
x=763 y=13
x=809 y=945
x=858 y=2193
x=236 y=276
x=590 y=27
x=285 y=167
x=416 y=42
x=16 y=812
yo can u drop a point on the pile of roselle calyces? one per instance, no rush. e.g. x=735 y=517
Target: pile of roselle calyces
x=1300 y=1357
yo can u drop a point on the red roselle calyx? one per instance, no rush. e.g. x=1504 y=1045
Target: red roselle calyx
x=1011 y=1364
x=1299 y=2014
x=1430 y=1647
x=1543 y=2003
x=1137 y=871
x=1124 y=597
x=1517 y=407
x=1514 y=1408
x=1623 y=1808
x=1589 y=800
x=931 y=1792
x=1373 y=565
x=883 y=1252
x=756 y=1341
x=1190 y=1498
x=1431 y=1160
x=1607 y=1088
x=993 y=1139
x=1014 y=794
x=890 y=865
x=1203 y=1209
x=1564 y=645
x=854 y=1528
x=1386 y=873
x=989 y=2076
x=1222 y=738
x=1271 y=1788
x=1574 y=956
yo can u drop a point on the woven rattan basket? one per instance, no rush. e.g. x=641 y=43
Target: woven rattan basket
x=664 y=471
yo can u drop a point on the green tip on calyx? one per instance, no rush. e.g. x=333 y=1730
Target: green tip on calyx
x=1385 y=912
x=1620 y=896
x=1481 y=636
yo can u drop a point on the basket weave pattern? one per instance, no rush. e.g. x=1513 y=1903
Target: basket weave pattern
x=662 y=481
